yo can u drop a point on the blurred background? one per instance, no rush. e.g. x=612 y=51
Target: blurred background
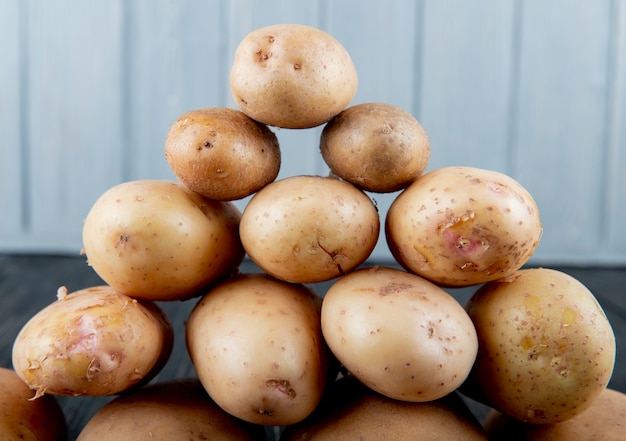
x=534 y=89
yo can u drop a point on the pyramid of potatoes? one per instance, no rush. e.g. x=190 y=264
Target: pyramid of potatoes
x=534 y=344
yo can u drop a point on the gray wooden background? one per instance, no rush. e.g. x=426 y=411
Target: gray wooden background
x=533 y=88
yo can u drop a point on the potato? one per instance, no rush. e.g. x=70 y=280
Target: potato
x=221 y=153
x=171 y=410
x=398 y=333
x=546 y=348
x=463 y=226
x=353 y=412
x=92 y=342
x=24 y=419
x=605 y=420
x=292 y=76
x=257 y=348
x=378 y=147
x=308 y=229
x=158 y=240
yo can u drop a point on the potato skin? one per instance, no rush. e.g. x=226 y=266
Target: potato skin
x=92 y=342
x=308 y=229
x=376 y=146
x=222 y=153
x=398 y=333
x=165 y=411
x=292 y=76
x=24 y=419
x=158 y=240
x=257 y=347
x=546 y=348
x=462 y=226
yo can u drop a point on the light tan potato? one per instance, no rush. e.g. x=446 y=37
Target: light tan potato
x=222 y=153
x=92 y=342
x=257 y=347
x=292 y=76
x=462 y=226
x=178 y=409
x=376 y=146
x=398 y=333
x=307 y=229
x=605 y=420
x=158 y=240
x=353 y=412
x=546 y=349
x=23 y=419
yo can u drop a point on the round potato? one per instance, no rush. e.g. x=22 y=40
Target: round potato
x=462 y=226
x=257 y=348
x=308 y=229
x=352 y=411
x=398 y=333
x=92 y=342
x=292 y=76
x=23 y=419
x=159 y=240
x=221 y=153
x=378 y=147
x=546 y=348
x=172 y=410
x=605 y=420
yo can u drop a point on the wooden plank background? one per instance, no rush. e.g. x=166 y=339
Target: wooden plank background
x=535 y=89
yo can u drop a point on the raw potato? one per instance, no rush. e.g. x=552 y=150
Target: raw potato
x=292 y=76
x=546 y=348
x=158 y=240
x=378 y=147
x=92 y=342
x=222 y=153
x=23 y=419
x=307 y=229
x=257 y=347
x=178 y=409
x=353 y=412
x=398 y=333
x=462 y=226
x=605 y=420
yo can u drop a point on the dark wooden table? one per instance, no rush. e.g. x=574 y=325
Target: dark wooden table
x=28 y=283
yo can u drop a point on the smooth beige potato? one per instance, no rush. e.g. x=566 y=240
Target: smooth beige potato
x=222 y=153
x=546 y=349
x=92 y=342
x=292 y=76
x=307 y=229
x=23 y=419
x=462 y=226
x=398 y=333
x=376 y=146
x=172 y=410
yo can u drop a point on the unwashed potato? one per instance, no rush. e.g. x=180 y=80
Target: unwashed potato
x=605 y=420
x=159 y=240
x=222 y=153
x=257 y=347
x=352 y=411
x=178 y=409
x=23 y=419
x=307 y=229
x=376 y=146
x=462 y=226
x=398 y=333
x=92 y=342
x=292 y=76
x=546 y=348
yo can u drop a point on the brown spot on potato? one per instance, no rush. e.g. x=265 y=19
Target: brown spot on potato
x=282 y=386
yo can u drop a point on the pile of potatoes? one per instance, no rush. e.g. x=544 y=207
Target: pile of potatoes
x=386 y=351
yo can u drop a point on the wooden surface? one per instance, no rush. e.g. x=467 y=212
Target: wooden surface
x=530 y=88
x=28 y=283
